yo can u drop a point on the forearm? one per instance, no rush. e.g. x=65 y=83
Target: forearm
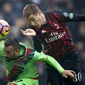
x=79 y=17
x=71 y=17
x=51 y=61
x=48 y=59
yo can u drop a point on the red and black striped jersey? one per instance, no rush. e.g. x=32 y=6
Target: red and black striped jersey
x=54 y=35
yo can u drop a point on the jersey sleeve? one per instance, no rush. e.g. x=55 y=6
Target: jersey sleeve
x=48 y=59
x=71 y=17
x=30 y=52
x=2 y=58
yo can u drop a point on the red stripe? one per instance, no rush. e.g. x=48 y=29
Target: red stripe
x=59 y=44
x=27 y=51
x=36 y=78
x=12 y=72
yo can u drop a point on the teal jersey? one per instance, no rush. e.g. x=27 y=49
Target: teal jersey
x=2 y=58
x=25 y=65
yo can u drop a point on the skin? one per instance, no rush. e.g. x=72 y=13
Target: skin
x=37 y=20
x=10 y=52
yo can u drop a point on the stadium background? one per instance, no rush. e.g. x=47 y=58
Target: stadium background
x=11 y=11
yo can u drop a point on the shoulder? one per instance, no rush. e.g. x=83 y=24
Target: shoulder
x=25 y=45
x=52 y=12
x=2 y=44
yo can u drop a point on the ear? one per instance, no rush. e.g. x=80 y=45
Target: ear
x=17 y=52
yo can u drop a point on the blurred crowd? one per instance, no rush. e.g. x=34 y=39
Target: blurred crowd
x=11 y=11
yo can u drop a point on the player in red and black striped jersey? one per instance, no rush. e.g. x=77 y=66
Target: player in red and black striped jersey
x=52 y=32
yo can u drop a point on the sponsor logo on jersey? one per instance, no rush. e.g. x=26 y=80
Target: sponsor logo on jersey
x=55 y=36
x=43 y=31
x=70 y=15
x=65 y=14
x=56 y=25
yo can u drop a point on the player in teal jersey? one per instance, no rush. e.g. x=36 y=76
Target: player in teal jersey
x=20 y=61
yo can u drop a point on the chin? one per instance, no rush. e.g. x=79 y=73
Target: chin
x=37 y=26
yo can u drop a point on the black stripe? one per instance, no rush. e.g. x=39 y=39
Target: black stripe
x=52 y=20
x=60 y=22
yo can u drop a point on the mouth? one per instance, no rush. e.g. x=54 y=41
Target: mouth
x=6 y=57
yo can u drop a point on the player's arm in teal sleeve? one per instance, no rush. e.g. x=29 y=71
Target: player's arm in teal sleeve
x=48 y=59
x=51 y=61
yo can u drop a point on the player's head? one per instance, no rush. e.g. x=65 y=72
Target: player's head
x=33 y=15
x=11 y=49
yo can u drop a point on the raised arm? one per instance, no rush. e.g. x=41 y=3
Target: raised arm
x=70 y=17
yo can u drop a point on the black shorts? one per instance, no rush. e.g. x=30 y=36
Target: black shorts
x=70 y=61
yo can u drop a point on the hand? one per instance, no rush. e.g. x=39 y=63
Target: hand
x=28 y=32
x=68 y=73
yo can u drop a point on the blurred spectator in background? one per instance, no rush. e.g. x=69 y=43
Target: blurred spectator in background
x=2 y=75
x=16 y=31
x=7 y=13
x=80 y=47
x=79 y=5
x=17 y=7
x=80 y=34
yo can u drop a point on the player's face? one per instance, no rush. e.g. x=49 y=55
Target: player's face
x=9 y=52
x=35 y=20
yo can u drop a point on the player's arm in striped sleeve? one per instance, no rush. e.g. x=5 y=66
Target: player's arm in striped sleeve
x=71 y=17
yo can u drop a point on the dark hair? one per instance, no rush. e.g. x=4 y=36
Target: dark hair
x=30 y=9
x=13 y=42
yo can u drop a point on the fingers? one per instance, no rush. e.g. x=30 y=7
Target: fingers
x=73 y=72
x=22 y=30
x=72 y=75
x=26 y=31
x=69 y=73
x=65 y=76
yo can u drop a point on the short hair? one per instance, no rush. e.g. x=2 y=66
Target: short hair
x=30 y=9
x=11 y=41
